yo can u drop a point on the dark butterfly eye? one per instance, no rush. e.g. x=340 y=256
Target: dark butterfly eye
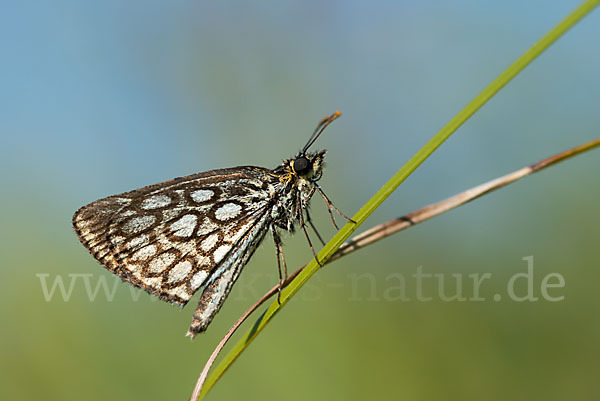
x=301 y=165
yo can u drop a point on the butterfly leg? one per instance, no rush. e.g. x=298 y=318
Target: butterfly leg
x=280 y=259
x=330 y=206
x=309 y=221
x=308 y=239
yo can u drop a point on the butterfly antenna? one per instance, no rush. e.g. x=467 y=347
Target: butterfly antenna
x=320 y=128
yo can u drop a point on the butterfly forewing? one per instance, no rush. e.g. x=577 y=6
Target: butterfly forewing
x=171 y=238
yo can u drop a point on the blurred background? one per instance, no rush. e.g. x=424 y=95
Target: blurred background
x=100 y=98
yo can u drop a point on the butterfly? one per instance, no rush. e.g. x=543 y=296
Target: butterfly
x=172 y=238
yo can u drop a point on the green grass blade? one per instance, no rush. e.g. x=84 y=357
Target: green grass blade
x=396 y=180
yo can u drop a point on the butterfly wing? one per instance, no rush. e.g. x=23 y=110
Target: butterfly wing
x=171 y=238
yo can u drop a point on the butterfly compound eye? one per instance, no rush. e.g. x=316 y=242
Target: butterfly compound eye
x=301 y=165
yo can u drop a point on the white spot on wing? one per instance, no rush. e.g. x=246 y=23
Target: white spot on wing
x=203 y=260
x=161 y=262
x=118 y=241
x=220 y=252
x=152 y=281
x=198 y=279
x=135 y=269
x=156 y=201
x=202 y=195
x=184 y=227
x=228 y=211
x=207 y=226
x=145 y=252
x=135 y=242
x=180 y=271
x=137 y=224
x=169 y=214
x=180 y=292
x=209 y=242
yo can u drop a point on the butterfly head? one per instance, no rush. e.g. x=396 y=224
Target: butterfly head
x=308 y=166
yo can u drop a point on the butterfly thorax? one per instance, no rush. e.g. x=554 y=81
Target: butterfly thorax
x=297 y=179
